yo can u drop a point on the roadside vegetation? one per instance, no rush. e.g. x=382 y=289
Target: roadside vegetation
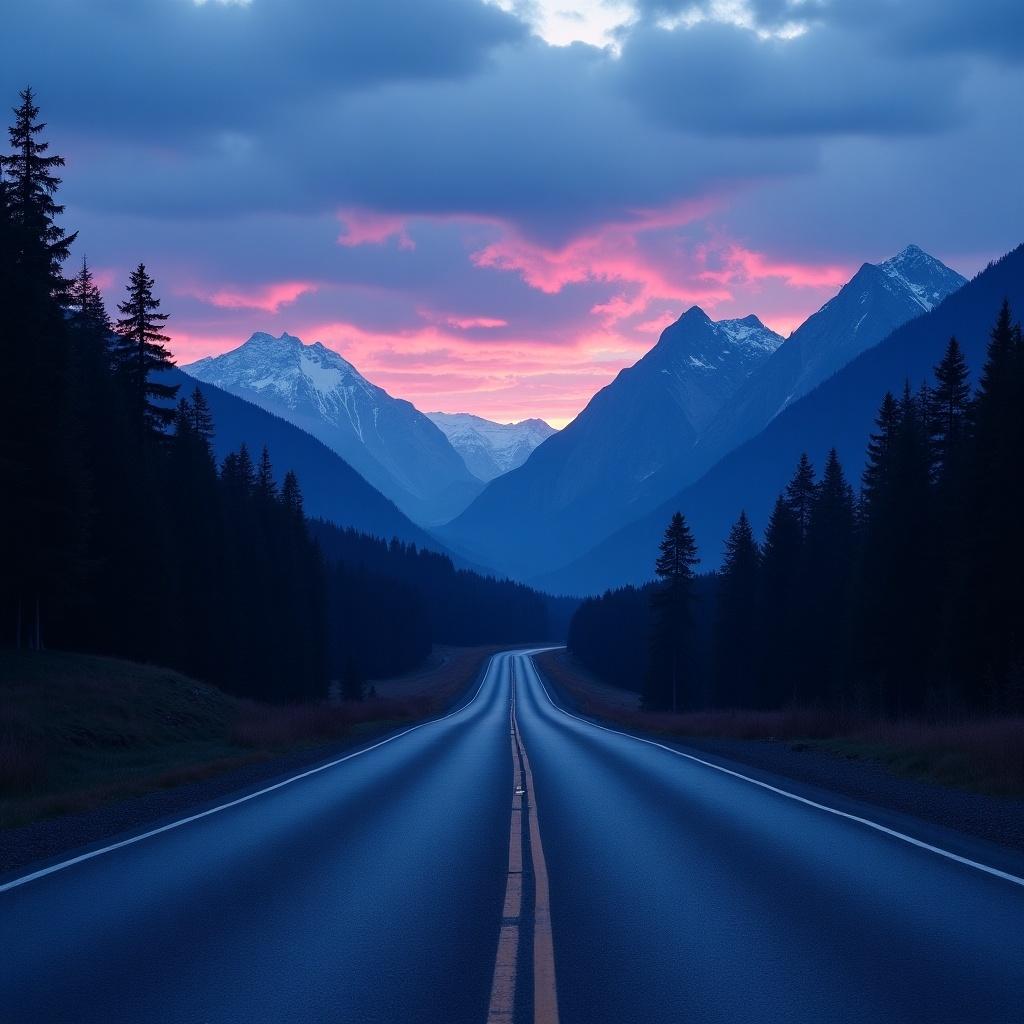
x=77 y=730
x=984 y=754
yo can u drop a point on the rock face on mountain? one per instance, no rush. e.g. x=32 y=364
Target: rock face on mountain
x=877 y=300
x=839 y=413
x=583 y=482
x=490 y=449
x=387 y=440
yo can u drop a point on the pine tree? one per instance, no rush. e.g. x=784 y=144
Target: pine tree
x=800 y=493
x=670 y=670
x=41 y=244
x=950 y=405
x=201 y=420
x=996 y=496
x=42 y=533
x=736 y=623
x=827 y=581
x=266 y=487
x=291 y=497
x=86 y=303
x=881 y=444
x=140 y=351
x=897 y=594
x=779 y=605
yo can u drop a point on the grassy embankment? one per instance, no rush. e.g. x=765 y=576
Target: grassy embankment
x=985 y=755
x=77 y=731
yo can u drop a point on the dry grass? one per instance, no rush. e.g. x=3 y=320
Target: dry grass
x=984 y=754
x=77 y=731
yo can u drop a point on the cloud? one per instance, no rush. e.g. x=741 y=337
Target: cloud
x=726 y=80
x=473 y=208
x=168 y=69
x=269 y=298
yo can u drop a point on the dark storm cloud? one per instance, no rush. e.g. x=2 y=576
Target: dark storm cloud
x=444 y=107
x=543 y=138
x=167 y=67
x=722 y=79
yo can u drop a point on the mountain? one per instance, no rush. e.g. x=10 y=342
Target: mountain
x=393 y=445
x=582 y=482
x=490 y=449
x=839 y=413
x=876 y=300
x=331 y=489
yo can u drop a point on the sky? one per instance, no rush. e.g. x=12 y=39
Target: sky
x=492 y=206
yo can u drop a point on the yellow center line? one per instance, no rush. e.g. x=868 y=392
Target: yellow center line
x=503 y=986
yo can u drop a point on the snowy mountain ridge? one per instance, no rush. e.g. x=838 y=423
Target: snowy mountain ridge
x=387 y=440
x=490 y=449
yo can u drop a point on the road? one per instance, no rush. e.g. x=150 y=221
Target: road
x=409 y=882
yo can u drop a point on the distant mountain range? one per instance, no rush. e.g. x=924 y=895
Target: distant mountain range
x=575 y=510
x=582 y=482
x=387 y=440
x=840 y=413
x=702 y=390
x=490 y=449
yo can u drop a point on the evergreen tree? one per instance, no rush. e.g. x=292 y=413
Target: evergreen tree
x=670 y=675
x=42 y=532
x=828 y=566
x=266 y=487
x=201 y=420
x=86 y=303
x=291 y=496
x=737 y=636
x=140 y=351
x=41 y=244
x=779 y=605
x=996 y=495
x=881 y=444
x=950 y=405
x=800 y=494
x=897 y=584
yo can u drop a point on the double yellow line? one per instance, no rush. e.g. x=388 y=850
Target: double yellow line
x=503 y=987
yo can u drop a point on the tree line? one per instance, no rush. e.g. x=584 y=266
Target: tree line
x=122 y=535
x=902 y=597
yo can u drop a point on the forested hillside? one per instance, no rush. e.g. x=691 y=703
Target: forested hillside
x=124 y=534
x=901 y=598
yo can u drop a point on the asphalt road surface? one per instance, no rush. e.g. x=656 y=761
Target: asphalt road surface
x=512 y=862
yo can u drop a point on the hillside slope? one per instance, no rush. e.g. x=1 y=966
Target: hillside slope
x=840 y=413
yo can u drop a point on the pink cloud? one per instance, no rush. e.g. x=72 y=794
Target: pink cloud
x=268 y=297
x=364 y=227
x=740 y=264
x=436 y=368
x=645 y=270
x=614 y=254
x=104 y=277
x=462 y=323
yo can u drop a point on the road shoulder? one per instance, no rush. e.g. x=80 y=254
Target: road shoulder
x=51 y=839
x=974 y=825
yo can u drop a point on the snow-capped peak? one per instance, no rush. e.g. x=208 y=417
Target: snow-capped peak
x=927 y=280
x=488 y=448
x=751 y=332
x=297 y=375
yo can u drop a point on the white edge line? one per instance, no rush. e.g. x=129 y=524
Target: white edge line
x=53 y=868
x=1005 y=875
